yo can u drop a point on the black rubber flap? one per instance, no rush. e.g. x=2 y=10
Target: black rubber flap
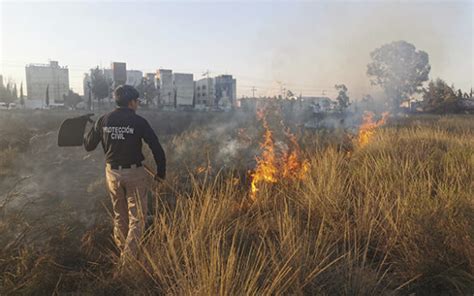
x=71 y=132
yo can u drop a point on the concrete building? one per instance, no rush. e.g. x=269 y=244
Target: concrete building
x=165 y=88
x=226 y=91
x=204 y=93
x=131 y=77
x=151 y=77
x=39 y=76
x=134 y=77
x=183 y=89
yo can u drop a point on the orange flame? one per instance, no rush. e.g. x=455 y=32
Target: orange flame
x=293 y=167
x=368 y=126
x=266 y=170
x=270 y=168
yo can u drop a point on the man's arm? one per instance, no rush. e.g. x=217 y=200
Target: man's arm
x=93 y=137
x=158 y=153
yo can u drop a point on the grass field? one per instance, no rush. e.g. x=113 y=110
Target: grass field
x=392 y=217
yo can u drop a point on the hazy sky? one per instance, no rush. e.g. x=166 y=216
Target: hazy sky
x=306 y=46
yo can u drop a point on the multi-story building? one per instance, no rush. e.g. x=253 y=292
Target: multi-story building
x=134 y=77
x=39 y=77
x=205 y=93
x=165 y=88
x=184 y=89
x=226 y=91
x=151 y=77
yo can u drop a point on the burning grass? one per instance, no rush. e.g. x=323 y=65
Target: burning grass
x=393 y=218
x=273 y=167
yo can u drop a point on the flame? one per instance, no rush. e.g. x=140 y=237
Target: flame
x=203 y=169
x=293 y=167
x=271 y=168
x=368 y=126
x=266 y=170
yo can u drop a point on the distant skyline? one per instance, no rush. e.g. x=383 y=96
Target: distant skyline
x=307 y=47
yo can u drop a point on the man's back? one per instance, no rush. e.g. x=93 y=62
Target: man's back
x=120 y=133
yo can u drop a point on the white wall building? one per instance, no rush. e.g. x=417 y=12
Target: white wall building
x=205 y=93
x=165 y=87
x=134 y=77
x=184 y=89
x=40 y=76
x=226 y=91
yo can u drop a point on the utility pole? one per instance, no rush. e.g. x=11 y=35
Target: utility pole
x=253 y=89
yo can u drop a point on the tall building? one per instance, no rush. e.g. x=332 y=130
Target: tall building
x=51 y=76
x=226 y=91
x=151 y=77
x=205 y=93
x=134 y=77
x=165 y=88
x=119 y=73
x=184 y=89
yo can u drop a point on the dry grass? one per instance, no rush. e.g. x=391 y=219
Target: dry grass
x=392 y=218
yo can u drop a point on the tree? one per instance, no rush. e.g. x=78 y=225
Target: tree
x=89 y=96
x=72 y=99
x=14 y=93
x=399 y=69
x=342 y=97
x=8 y=98
x=47 y=96
x=439 y=97
x=100 y=87
x=147 y=91
x=22 y=98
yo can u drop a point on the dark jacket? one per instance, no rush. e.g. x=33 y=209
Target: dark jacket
x=121 y=132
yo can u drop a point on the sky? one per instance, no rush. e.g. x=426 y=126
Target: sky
x=306 y=47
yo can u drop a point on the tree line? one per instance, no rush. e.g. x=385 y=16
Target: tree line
x=9 y=93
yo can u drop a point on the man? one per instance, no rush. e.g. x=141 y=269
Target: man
x=121 y=132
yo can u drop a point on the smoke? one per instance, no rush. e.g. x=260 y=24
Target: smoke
x=318 y=45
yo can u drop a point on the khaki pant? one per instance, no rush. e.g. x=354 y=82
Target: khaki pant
x=128 y=191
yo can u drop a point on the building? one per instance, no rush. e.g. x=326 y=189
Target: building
x=51 y=76
x=122 y=75
x=134 y=77
x=183 y=89
x=226 y=91
x=204 y=93
x=151 y=77
x=165 y=88
x=118 y=74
